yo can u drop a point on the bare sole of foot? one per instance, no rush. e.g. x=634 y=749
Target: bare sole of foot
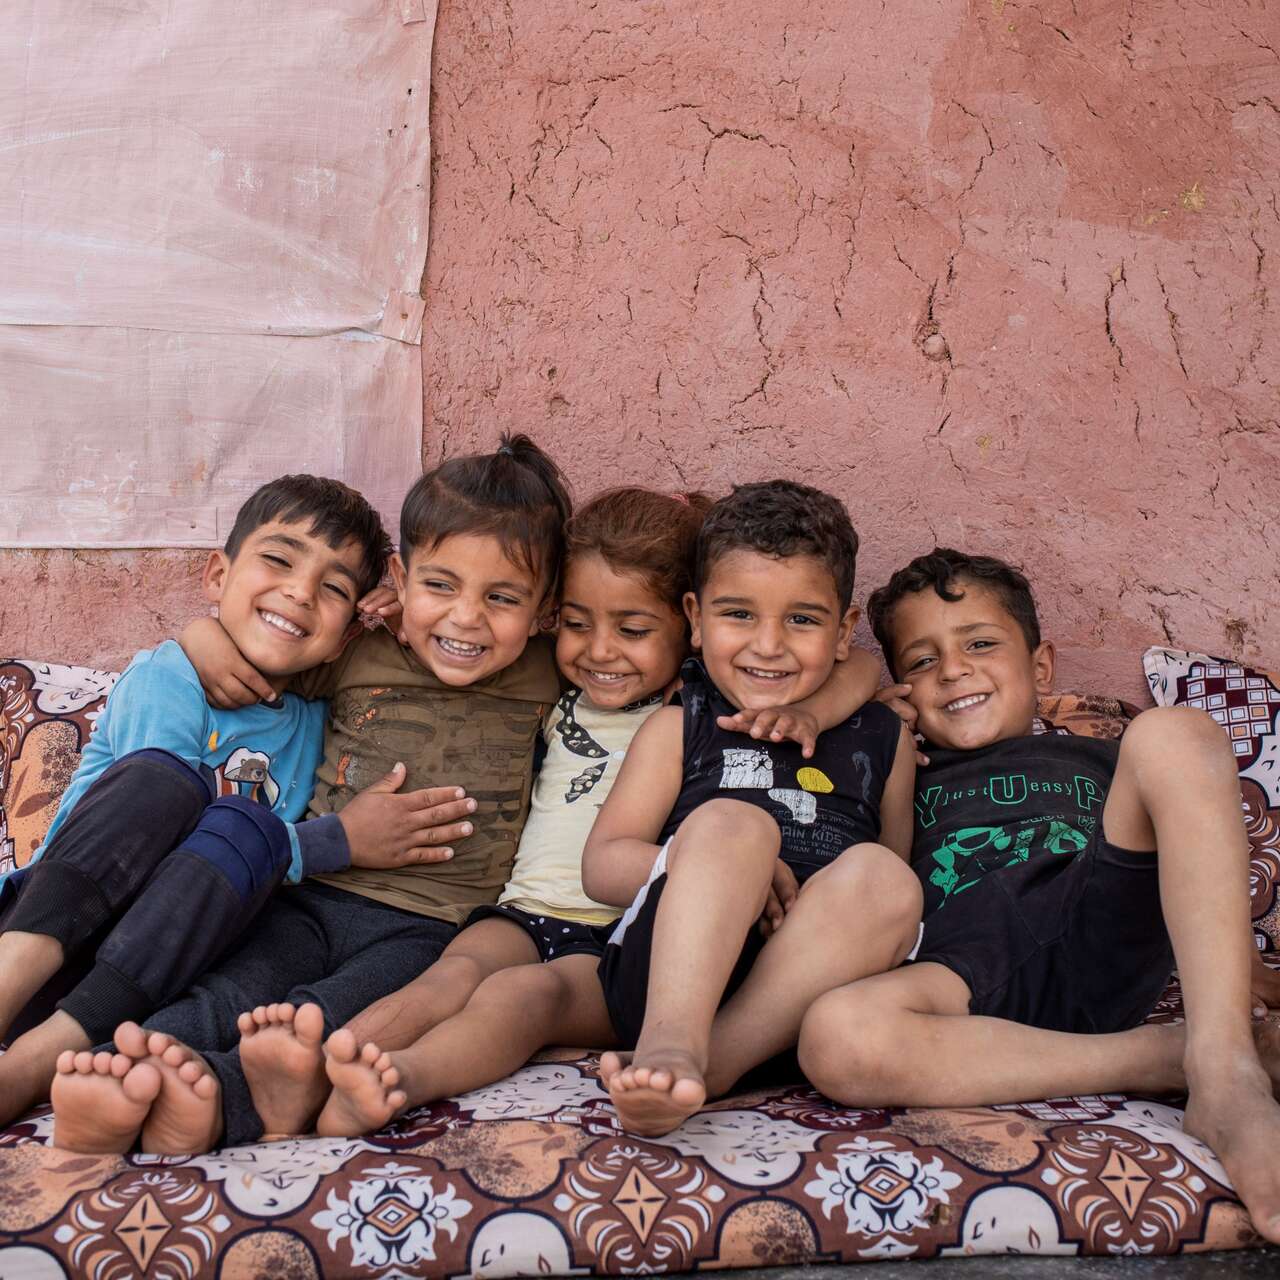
x=100 y=1101
x=186 y=1117
x=283 y=1062
x=657 y=1092
x=364 y=1096
x=611 y=1063
x=1239 y=1118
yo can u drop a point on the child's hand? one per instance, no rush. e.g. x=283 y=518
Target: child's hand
x=782 y=894
x=894 y=697
x=383 y=603
x=228 y=678
x=388 y=830
x=778 y=724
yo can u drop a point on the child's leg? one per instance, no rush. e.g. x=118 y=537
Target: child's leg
x=511 y=1016
x=902 y=1039
x=101 y=855
x=439 y=992
x=858 y=916
x=1176 y=787
x=199 y=899
x=719 y=866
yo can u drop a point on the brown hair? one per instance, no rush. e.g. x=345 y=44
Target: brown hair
x=642 y=532
x=517 y=494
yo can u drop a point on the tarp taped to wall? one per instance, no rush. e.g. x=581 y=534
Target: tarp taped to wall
x=213 y=226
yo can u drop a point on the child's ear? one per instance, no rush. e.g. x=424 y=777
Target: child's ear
x=693 y=612
x=844 y=633
x=214 y=577
x=399 y=575
x=1043 y=660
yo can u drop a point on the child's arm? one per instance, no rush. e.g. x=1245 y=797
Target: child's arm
x=620 y=850
x=897 y=799
x=851 y=684
x=230 y=680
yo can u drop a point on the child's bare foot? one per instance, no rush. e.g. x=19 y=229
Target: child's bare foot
x=284 y=1065
x=186 y=1117
x=100 y=1101
x=657 y=1091
x=1266 y=1039
x=1235 y=1113
x=364 y=1096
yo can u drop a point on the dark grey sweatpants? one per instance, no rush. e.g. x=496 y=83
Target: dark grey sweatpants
x=313 y=942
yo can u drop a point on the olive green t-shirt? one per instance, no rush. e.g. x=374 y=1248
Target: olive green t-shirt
x=386 y=706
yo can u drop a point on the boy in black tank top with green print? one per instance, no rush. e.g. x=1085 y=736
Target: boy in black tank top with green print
x=1062 y=878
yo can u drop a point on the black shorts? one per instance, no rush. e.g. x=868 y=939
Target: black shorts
x=624 y=967
x=553 y=937
x=1068 y=944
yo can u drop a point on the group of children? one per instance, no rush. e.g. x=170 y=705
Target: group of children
x=307 y=875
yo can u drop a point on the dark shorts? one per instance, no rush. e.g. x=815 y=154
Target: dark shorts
x=1068 y=944
x=553 y=937
x=624 y=967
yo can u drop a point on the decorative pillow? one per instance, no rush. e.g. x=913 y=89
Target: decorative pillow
x=1087 y=714
x=46 y=716
x=1246 y=702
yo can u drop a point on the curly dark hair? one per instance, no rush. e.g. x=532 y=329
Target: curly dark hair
x=942 y=570
x=780 y=518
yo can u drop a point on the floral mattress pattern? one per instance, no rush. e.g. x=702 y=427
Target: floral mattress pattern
x=532 y=1177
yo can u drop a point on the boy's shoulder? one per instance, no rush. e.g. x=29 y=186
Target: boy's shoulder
x=164 y=667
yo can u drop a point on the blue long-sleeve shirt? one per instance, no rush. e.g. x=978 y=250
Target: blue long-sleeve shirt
x=266 y=752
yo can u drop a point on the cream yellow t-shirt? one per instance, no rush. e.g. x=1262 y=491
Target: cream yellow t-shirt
x=585 y=749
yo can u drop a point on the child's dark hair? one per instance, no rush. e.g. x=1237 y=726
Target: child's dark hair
x=517 y=494
x=337 y=514
x=943 y=569
x=642 y=532
x=781 y=518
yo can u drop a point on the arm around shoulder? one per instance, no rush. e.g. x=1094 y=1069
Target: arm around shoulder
x=621 y=848
x=898 y=798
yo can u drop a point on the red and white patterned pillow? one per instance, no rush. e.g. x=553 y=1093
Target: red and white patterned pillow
x=1245 y=701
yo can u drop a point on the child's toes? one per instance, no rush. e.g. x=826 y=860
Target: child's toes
x=341 y=1046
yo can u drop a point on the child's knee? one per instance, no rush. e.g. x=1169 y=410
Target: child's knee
x=730 y=826
x=871 y=880
x=1160 y=730
x=844 y=1045
x=536 y=990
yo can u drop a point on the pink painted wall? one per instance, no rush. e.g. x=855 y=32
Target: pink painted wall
x=997 y=275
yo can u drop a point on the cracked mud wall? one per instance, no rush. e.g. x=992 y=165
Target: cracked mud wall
x=1001 y=276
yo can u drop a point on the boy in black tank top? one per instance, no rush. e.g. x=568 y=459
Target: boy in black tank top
x=722 y=831
x=1061 y=877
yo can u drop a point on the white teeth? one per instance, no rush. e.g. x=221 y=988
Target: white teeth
x=764 y=675
x=963 y=704
x=275 y=620
x=458 y=648
x=607 y=677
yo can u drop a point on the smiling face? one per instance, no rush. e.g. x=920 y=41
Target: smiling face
x=468 y=610
x=974 y=678
x=770 y=628
x=287 y=598
x=618 y=641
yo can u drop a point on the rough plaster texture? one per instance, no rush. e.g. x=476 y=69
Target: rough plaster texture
x=999 y=275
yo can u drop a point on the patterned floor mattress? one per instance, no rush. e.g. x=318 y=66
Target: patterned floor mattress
x=532 y=1177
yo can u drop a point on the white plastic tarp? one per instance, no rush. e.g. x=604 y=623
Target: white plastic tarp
x=213 y=227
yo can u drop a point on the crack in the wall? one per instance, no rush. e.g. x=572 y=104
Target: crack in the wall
x=1173 y=324
x=1115 y=278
